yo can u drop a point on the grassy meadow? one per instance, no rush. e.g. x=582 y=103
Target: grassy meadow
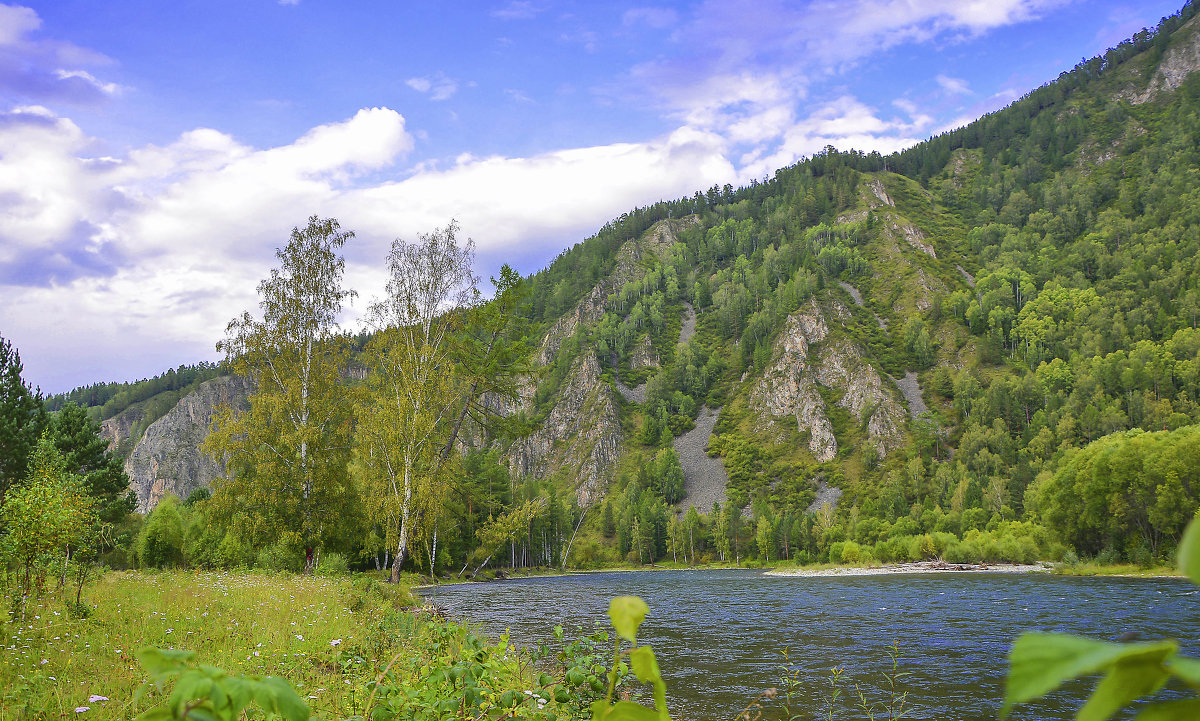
x=328 y=636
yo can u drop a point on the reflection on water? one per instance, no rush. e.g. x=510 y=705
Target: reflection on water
x=718 y=634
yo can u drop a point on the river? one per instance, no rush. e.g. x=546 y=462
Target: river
x=719 y=635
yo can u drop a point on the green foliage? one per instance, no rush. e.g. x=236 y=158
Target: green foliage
x=22 y=418
x=287 y=454
x=1041 y=662
x=206 y=693
x=627 y=614
x=1125 y=490
x=160 y=543
x=45 y=517
x=85 y=451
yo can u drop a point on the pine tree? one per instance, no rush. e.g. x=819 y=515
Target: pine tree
x=77 y=437
x=22 y=418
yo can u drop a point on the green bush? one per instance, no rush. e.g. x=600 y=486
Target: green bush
x=332 y=564
x=851 y=552
x=281 y=556
x=160 y=543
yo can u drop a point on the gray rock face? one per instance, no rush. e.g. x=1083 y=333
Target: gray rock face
x=1177 y=63
x=119 y=428
x=582 y=433
x=806 y=358
x=788 y=385
x=629 y=266
x=644 y=355
x=704 y=477
x=167 y=458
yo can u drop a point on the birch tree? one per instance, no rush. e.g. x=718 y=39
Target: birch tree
x=286 y=455
x=414 y=394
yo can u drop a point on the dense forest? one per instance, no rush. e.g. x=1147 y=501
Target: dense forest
x=1033 y=276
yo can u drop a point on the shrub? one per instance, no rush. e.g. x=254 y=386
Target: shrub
x=160 y=543
x=281 y=556
x=964 y=552
x=851 y=552
x=332 y=564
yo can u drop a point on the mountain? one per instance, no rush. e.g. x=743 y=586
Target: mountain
x=932 y=333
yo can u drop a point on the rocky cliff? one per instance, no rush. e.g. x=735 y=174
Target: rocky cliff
x=581 y=433
x=629 y=266
x=167 y=458
x=807 y=357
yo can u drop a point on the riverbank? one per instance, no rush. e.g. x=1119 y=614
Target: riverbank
x=910 y=568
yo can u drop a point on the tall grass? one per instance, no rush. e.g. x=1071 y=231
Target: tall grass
x=304 y=629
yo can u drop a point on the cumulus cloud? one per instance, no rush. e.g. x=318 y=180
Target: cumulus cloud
x=35 y=69
x=157 y=249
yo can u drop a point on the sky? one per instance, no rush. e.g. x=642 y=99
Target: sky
x=153 y=156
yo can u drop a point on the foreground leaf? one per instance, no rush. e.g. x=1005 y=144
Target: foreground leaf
x=627 y=614
x=1041 y=662
x=1189 y=552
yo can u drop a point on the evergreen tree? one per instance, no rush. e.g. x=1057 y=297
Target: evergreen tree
x=22 y=418
x=77 y=437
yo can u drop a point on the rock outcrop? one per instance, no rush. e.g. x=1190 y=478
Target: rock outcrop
x=167 y=458
x=629 y=266
x=1177 y=63
x=644 y=355
x=582 y=433
x=788 y=385
x=118 y=430
x=805 y=358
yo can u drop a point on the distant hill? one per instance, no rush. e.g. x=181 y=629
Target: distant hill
x=938 y=328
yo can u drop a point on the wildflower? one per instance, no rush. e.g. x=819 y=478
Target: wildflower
x=336 y=642
x=298 y=636
x=44 y=662
x=96 y=697
x=81 y=709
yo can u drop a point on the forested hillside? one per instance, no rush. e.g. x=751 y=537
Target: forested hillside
x=1035 y=273
x=981 y=348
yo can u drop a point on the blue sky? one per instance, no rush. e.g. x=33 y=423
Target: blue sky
x=153 y=155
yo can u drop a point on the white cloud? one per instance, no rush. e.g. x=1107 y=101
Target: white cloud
x=954 y=86
x=517 y=10
x=16 y=22
x=137 y=263
x=438 y=86
x=46 y=70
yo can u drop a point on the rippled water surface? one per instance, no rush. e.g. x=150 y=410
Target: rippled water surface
x=718 y=634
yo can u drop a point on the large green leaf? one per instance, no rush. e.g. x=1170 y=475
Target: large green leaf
x=286 y=702
x=627 y=614
x=160 y=662
x=645 y=666
x=1187 y=669
x=1189 y=552
x=1188 y=710
x=1041 y=662
x=1130 y=678
x=630 y=711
